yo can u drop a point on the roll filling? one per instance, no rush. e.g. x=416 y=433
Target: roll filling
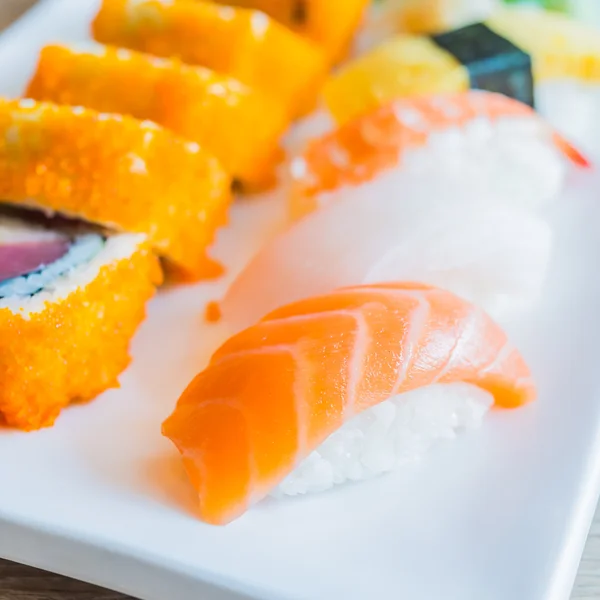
x=30 y=258
x=71 y=298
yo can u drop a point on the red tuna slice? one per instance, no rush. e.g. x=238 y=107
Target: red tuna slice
x=22 y=258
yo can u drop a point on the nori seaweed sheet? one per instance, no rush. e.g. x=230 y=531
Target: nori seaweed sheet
x=494 y=63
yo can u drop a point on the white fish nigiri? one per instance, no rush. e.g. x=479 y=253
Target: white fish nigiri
x=487 y=253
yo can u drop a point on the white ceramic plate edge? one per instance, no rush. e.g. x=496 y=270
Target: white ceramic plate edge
x=154 y=580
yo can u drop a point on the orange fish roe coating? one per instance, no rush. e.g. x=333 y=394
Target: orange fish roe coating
x=212 y=313
x=76 y=347
x=117 y=172
x=330 y=23
x=239 y=125
x=245 y=44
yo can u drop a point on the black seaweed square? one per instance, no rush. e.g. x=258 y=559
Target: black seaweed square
x=494 y=63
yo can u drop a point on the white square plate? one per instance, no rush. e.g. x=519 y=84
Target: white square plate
x=501 y=514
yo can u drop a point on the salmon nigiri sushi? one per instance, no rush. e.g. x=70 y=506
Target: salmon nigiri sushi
x=482 y=140
x=338 y=388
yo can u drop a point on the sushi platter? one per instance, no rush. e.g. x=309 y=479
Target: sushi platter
x=379 y=381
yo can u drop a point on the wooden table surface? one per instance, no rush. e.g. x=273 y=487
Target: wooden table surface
x=23 y=583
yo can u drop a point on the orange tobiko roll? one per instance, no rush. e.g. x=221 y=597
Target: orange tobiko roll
x=65 y=328
x=245 y=44
x=239 y=125
x=116 y=172
x=331 y=24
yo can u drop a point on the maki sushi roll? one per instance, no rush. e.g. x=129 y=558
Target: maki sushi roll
x=245 y=44
x=114 y=171
x=331 y=24
x=71 y=298
x=239 y=125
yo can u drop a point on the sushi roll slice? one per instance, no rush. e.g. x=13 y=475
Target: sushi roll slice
x=71 y=298
x=332 y=23
x=340 y=388
x=441 y=234
x=245 y=44
x=239 y=125
x=117 y=172
x=479 y=141
x=512 y=52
